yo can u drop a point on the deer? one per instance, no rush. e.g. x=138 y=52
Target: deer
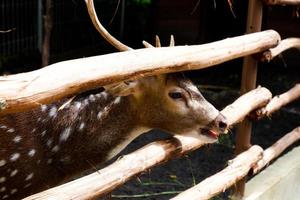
x=47 y=145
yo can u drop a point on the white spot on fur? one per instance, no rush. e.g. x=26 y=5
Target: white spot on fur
x=2 y=179
x=2 y=189
x=17 y=139
x=81 y=126
x=117 y=100
x=49 y=142
x=29 y=177
x=5 y=196
x=14 y=157
x=49 y=161
x=99 y=115
x=11 y=130
x=43 y=108
x=14 y=172
x=104 y=95
x=31 y=152
x=53 y=112
x=2 y=163
x=86 y=102
x=13 y=191
x=27 y=185
x=43 y=133
x=65 y=134
x=55 y=149
x=77 y=105
x=3 y=127
x=92 y=98
x=66 y=159
x=33 y=130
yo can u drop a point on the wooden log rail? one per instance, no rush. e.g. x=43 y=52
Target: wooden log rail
x=107 y=179
x=237 y=169
x=28 y=90
x=279 y=101
x=282 y=2
x=283 y=45
x=254 y=158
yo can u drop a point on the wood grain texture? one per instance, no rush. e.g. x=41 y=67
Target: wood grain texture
x=28 y=90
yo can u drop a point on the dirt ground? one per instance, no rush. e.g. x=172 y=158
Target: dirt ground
x=168 y=179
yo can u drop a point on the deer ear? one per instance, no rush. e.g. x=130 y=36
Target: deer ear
x=123 y=88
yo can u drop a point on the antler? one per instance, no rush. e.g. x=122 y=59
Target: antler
x=111 y=39
x=105 y=34
x=157 y=42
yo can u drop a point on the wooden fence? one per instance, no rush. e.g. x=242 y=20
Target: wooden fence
x=24 y=91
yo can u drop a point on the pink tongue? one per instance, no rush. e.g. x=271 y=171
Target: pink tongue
x=213 y=134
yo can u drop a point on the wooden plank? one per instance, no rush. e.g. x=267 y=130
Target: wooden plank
x=28 y=90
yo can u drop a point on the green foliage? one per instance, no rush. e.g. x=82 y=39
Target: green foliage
x=142 y=2
x=226 y=140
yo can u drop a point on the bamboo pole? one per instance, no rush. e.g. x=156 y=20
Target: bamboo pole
x=282 y=2
x=236 y=170
x=28 y=90
x=276 y=149
x=282 y=46
x=249 y=73
x=107 y=179
x=279 y=101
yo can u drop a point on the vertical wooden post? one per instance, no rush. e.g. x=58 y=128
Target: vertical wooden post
x=243 y=138
x=47 y=33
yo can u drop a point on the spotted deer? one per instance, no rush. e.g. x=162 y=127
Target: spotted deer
x=42 y=147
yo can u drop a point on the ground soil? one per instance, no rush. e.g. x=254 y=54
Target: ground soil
x=168 y=179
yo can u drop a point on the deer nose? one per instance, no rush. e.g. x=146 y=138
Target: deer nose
x=221 y=122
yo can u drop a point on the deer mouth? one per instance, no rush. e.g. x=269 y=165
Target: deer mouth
x=210 y=133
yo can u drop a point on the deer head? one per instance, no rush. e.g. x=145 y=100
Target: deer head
x=168 y=101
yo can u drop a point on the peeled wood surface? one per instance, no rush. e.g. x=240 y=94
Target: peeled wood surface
x=281 y=47
x=27 y=90
x=116 y=174
x=277 y=148
x=282 y=2
x=246 y=103
x=236 y=170
x=279 y=101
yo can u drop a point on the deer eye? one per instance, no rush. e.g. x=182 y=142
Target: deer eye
x=175 y=95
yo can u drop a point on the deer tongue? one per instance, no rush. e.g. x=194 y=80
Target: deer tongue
x=210 y=133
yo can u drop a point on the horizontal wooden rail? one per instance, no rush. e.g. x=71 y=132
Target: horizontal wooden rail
x=277 y=148
x=107 y=179
x=282 y=2
x=283 y=45
x=236 y=170
x=27 y=90
x=279 y=101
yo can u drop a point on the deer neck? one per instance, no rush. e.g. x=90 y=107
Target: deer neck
x=89 y=130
